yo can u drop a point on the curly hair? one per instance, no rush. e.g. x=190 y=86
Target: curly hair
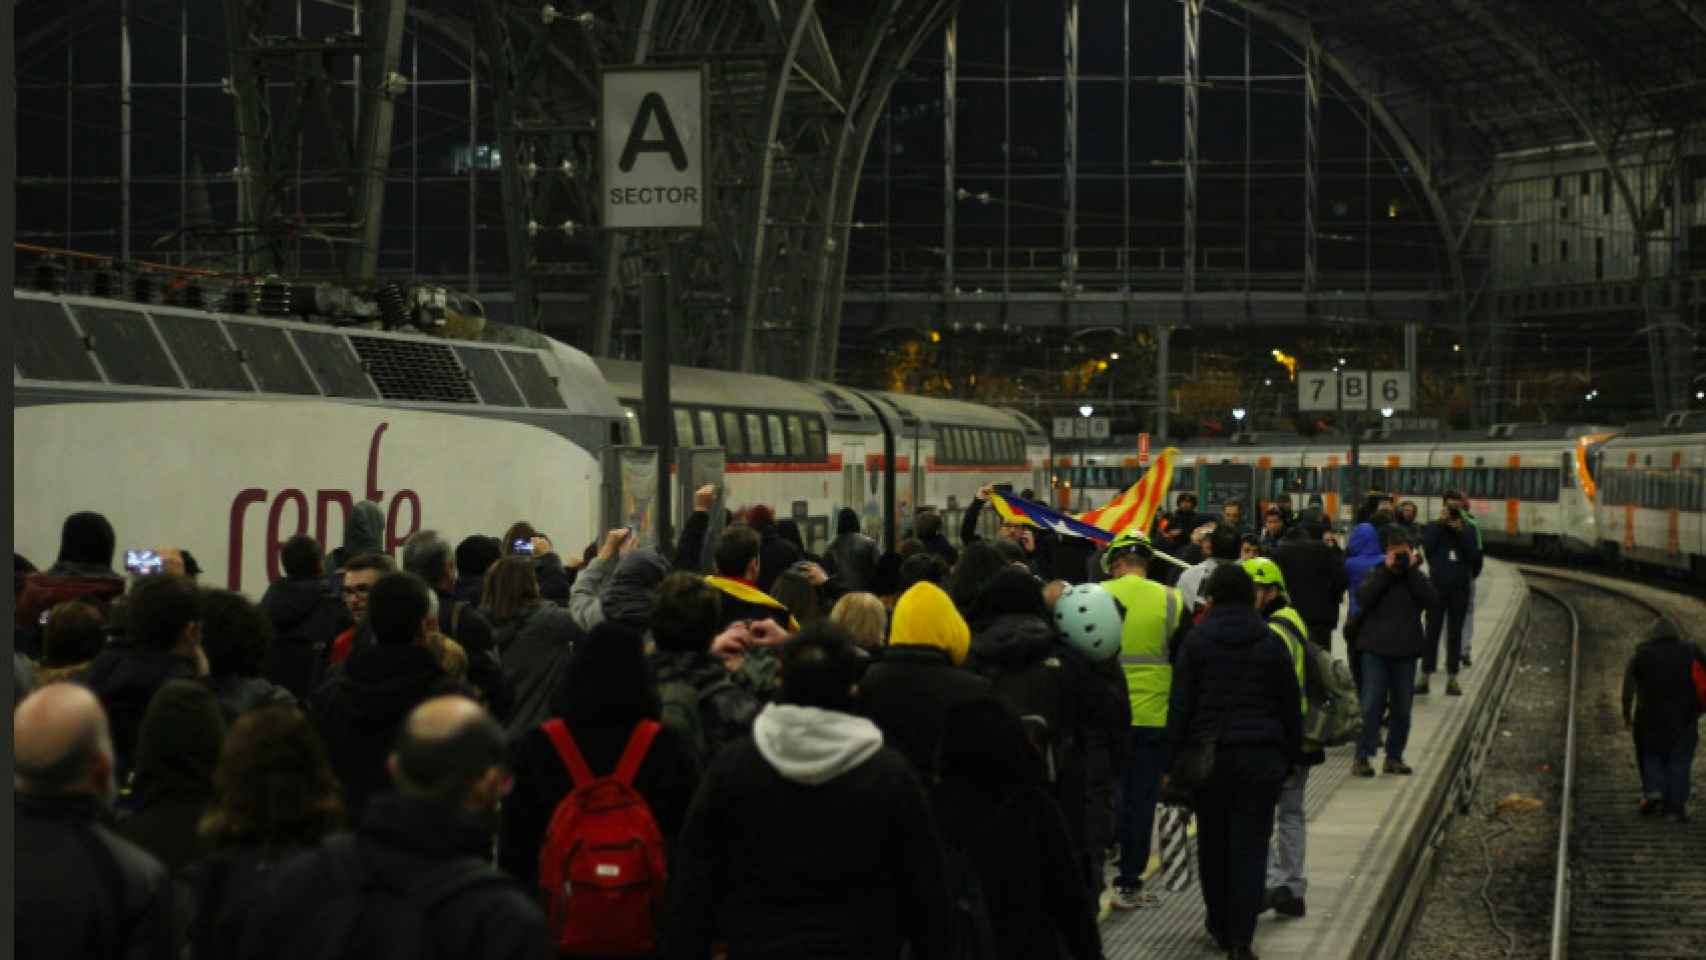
x=236 y=634
x=274 y=787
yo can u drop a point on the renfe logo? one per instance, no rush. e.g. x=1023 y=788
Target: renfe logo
x=275 y=537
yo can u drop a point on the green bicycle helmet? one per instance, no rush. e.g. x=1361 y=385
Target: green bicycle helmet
x=1126 y=543
x=1264 y=572
x=1089 y=619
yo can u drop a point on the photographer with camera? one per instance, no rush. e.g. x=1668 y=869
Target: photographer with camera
x=1393 y=598
x=1454 y=558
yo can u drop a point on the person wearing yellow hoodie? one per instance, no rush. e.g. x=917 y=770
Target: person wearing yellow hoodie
x=909 y=692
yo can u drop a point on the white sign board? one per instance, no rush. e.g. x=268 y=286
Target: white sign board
x=652 y=133
x=1391 y=389
x=1098 y=428
x=1353 y=390
x=1317 y=390
x=1063 y=428
x=1081 y=428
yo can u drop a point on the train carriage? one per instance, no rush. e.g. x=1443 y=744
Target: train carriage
x=1651 y=483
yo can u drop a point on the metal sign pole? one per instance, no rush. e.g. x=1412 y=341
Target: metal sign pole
x=654 y=380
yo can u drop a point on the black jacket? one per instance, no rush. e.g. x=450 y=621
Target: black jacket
x=849 y=868
x=363 y=705
x=554 y=580
x=400 y=839
x=1392 y=609
x=1658 y=690
x=1315 y=578
x=666 y=779
x=238 y=695
x=470 y=589
x=726 y=714
x=84 y=891
x=1235 y=681
x=230 y=886
x=534 y=649
x=908 y=694
x=690 y=544
x=938 y=544
x=463 y=622
x=1454 y=558
x=125 y=677
x=1033 y=883
x=306 y=617
x=775 y=555
x=852 y=559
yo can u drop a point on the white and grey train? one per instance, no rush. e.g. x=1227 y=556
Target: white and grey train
x=227 y=434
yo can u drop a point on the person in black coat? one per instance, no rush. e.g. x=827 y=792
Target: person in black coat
x=176 y=755
x=450 y=775
x=1661 y=707
x=237 y=638
x=775 y=554
x=909 y=691
x=1454 y=560
x=1234 y=682
x=851 y=557
x=359 y=709
x=1392 y=599
x=474 y=556
x=428 y=556
x=605 y=694
x=274 y=797
x=812 y=838
x=162 y=642
x=1315 y=578
x=306 y=616
x=928 y=529
x=994 y=809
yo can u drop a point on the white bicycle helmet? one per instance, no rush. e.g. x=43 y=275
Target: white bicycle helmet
x=1090 y=619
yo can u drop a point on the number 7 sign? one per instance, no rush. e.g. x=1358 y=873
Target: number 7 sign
x=1317 y=390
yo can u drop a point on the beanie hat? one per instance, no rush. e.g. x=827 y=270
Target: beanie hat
x=476 y=554
x=926 y=617
x=87 y=538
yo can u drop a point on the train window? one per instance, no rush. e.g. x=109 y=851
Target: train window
x=1377 y=480
x=816 y=448
x=683 y=427
x=708 y=428
x=948 y=446
x=755 y=443
x=1567 y=470
x=778 y=436
x=537 y=386
x=734 y=441
x=1185 y=478
x=797 y=438
x=631 y=425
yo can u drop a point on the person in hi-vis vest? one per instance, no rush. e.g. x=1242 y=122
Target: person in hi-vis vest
x=1154 y=625
x=1286 y=883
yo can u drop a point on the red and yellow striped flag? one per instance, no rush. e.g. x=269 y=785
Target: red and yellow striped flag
x=1135 y=508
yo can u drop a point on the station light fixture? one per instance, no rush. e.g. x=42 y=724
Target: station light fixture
x=1101 y=366
x=1114 y=356
x=1238 y=414
x=1457 y=348
x=935 y=336
x=1086 y=410
x=1700 y=394
x=1386 y=412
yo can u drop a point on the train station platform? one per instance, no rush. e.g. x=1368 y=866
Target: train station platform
x=1370 y=841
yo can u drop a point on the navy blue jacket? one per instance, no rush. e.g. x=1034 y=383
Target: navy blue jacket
x=1454 y=558
x=1235 y=680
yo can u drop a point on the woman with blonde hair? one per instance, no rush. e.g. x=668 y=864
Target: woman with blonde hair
x=865 y=617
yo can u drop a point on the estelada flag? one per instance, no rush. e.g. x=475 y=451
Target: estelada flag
x=1135 y=508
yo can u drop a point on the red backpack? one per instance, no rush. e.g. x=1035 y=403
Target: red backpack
x=1697 y=671
x=602 y=867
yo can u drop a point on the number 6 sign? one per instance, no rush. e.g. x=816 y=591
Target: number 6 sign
x=1391 y=389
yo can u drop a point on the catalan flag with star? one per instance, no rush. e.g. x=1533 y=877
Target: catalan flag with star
x=1131 y=510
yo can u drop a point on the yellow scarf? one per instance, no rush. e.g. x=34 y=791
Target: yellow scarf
x=750 y=594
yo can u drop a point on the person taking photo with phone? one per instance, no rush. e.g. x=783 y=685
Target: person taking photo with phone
x=1393 y=598
x=1454 y=557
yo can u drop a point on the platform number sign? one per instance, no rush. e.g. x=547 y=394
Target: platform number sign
x=1332 y=390
x=1317 y=390
x=1390 y=389
x=652 y=138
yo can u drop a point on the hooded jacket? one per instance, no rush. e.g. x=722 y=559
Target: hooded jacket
x=622 y=590
x=1392 y=606
x=364 y=532
x=175 y=758
x=909 y=691
x=74 y=906
x=42 y=592
x=401 y=839
x=360 y=709
x=1235 y=680
x=725 y=714
x=534 y=649
x=811 y=839
x=1315 y=580
x=306 y=617
x=1363 y=556
x=851 y=557
x=125 y=677
x=238 y=695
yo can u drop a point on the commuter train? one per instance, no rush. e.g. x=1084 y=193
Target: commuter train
x=258 y=428
x=227 y=434
x=1631 y=494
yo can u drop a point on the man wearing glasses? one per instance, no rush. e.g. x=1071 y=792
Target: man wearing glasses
x=360 y=574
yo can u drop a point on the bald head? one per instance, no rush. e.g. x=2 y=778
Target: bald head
x=452 y=750
x=61 y=742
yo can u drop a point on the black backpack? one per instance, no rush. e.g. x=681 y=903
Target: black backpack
x=973 y=933
x=373 y=918
x=1039 y=693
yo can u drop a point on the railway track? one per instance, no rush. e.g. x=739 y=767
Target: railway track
x=1626 y=887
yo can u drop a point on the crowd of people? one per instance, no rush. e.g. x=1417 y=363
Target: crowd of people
x=730 y=748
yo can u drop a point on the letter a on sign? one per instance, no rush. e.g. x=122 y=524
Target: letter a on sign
x=652 y=108
x=652 y=148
